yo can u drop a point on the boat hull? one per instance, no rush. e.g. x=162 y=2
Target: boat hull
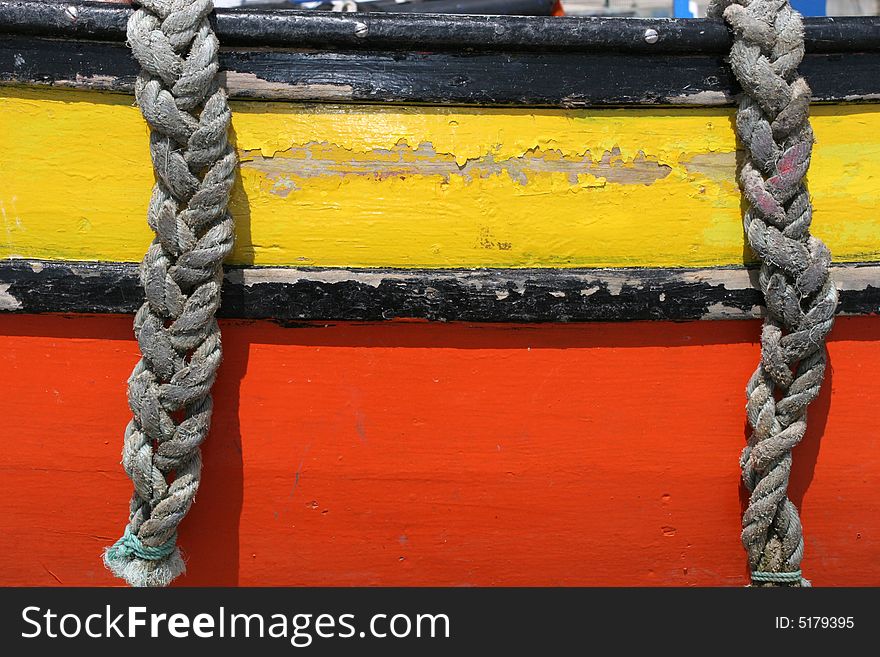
x=409 y=453
x=436 y=369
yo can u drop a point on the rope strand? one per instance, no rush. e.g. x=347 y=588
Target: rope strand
x=179 y=339
x=772 y=123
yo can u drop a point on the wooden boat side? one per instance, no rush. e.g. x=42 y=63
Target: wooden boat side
x=367 y=186
x=348 y=212
x=445 y=454
x=508 y=444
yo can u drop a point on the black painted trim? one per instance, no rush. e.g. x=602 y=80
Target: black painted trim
x=491 y=295
x=295 y=29
x=488 y=7
x=553 y=79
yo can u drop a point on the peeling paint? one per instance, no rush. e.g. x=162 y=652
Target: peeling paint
x=861 y=98
x=530 y=295
x=717 y=166
x=855 y=278
x=84 y=271
x=95 y=81
x=256 y=275
x=90 y=82
x=362 y=215
x=249 y=85
x=320 y=159
x=615 y=281
x=701 y=98
x=730 y=279
x=723 y=311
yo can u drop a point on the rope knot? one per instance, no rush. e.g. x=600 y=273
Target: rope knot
x=794 y=577
x=131 y=546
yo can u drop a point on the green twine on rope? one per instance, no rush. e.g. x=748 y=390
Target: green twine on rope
x=130 y=545
x=777 y=578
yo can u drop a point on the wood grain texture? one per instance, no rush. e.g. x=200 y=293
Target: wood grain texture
x=418 y=454
x=430 y=187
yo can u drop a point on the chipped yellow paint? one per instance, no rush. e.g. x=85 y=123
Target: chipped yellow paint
x=359 y=185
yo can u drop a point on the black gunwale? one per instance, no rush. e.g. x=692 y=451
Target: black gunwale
x=317 y=29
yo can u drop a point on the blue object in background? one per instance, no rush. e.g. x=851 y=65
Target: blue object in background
x=680 y=8
x=809 y=7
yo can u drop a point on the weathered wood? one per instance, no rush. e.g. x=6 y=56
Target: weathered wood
x=427 y=187
x=439 y=454
x=538 y=79
x=492 y=295
x=295 y=29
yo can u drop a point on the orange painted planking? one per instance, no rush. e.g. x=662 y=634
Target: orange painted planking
x=430 y=454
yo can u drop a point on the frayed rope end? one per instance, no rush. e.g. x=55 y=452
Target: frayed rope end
x=142 y=565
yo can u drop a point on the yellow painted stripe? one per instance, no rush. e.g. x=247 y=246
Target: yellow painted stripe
x=365 y=186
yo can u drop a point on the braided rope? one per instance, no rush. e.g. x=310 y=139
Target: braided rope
x=169 y=389
x=772 y=123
